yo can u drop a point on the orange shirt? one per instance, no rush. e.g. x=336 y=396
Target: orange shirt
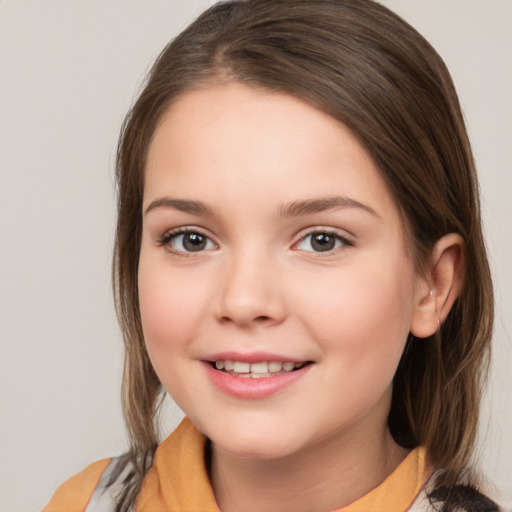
x=178 y=482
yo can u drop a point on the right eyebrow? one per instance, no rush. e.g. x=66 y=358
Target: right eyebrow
x=182 y=205
x=316 y=205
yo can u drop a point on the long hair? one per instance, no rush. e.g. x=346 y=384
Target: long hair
x=367 y=68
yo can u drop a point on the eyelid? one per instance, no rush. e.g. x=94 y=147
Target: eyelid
x=168 y=235
x=346 y=239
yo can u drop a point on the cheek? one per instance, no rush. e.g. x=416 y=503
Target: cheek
x=169 y=306
x=363 y=313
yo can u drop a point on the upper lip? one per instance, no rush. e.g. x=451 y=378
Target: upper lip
x=253 y=357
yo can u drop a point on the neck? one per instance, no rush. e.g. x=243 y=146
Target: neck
x=329 y=475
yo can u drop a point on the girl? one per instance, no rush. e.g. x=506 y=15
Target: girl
x=299 y=263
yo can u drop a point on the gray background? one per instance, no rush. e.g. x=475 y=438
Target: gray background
x=68 y=73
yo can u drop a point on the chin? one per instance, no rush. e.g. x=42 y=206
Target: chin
x=250 y=450
x=254 y=443
x=255 y=433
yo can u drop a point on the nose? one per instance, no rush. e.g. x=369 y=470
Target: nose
x=250 y=293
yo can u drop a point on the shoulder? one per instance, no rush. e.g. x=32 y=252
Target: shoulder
x=74 y=494
x=467 y=498
x=463 y=498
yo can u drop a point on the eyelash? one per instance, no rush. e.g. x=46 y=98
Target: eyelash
x=166 y=239
x=345 y=241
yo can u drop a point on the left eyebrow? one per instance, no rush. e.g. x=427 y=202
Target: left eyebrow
x=309 y=206
x=182 y=205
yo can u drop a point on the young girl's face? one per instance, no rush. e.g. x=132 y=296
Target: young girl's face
x=270 y=241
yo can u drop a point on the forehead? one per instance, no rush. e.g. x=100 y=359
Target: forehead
x=230 y=141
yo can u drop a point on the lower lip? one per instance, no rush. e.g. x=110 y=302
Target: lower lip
x=248 y=388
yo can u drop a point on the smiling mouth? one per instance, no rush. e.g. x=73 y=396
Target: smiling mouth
x=258 y=370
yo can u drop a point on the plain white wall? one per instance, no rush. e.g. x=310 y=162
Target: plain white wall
x=68 y=73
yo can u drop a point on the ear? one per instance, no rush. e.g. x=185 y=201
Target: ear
x=441 y=286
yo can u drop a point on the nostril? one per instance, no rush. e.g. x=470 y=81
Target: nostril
x=258 y=319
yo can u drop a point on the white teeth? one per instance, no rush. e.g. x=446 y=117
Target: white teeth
x=241 y=367
x=275 y=366
x=259 y=368
x=288 y=366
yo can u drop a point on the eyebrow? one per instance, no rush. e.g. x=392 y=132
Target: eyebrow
x=292 y=209
x=309 y=206
x=182 y=205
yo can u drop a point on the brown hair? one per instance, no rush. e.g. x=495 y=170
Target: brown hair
x=364 y=66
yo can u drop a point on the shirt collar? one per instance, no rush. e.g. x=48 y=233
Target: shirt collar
x=184 y=483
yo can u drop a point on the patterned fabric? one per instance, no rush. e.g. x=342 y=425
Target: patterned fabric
x=110 y=485
x=467 y=499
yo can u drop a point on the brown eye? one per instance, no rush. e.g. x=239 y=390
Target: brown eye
x=322 y=241
x=194 y=242
x=190 y=241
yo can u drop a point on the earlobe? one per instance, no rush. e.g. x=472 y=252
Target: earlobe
x=442 y=286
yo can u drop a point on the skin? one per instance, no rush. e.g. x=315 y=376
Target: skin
x=259 y=285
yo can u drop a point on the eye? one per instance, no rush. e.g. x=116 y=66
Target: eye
x=187 y=241
x=322 y=241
